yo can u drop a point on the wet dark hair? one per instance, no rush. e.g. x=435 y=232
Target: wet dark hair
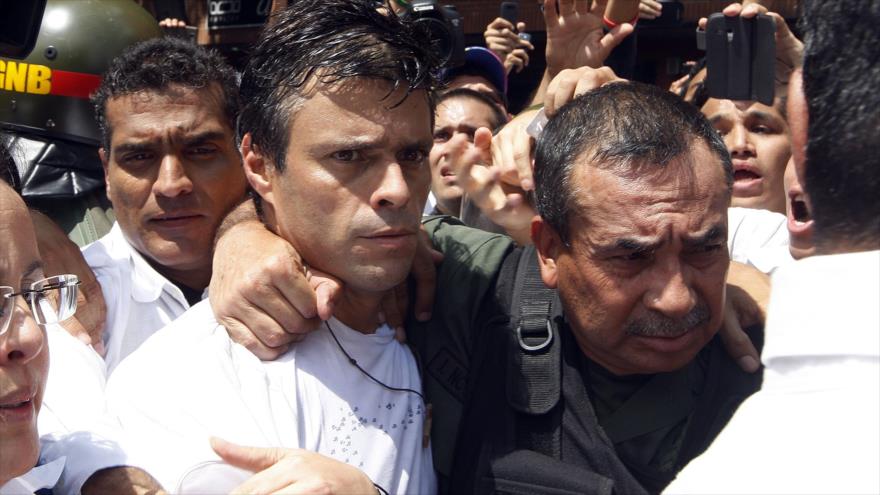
x=630 y=126
x=841 y=76
x=329 y=41
x=157 y=64
x=499 y=118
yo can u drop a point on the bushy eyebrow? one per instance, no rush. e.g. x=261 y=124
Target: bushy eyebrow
x=133 y=147
x=630 y=245
x=33 y=268
x=762 y=116
x=204 y=137
x=715 y=233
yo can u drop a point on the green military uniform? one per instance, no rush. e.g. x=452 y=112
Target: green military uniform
x=624 y=433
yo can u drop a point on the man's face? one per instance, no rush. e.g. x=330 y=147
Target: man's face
x=642 y=284
x=356 y=179
x=172 y=173
x=457 y=115
x=24 y=355
x=756 y=136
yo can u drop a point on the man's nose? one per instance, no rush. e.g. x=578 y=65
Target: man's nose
x=172 y=179
x=24 y=339
x=669 y=291
x=393 y=190
x=738 y=142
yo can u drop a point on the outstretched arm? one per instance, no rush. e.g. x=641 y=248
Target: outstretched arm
x=576 y=38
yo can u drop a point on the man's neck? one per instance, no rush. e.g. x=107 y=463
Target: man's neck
x=452 y=207
x=196 y=279
x=359 y=310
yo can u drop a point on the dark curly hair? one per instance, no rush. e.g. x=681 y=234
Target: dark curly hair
x=158 y=63
x=331 y=40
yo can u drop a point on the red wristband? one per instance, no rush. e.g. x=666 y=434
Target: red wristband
x=611 y=24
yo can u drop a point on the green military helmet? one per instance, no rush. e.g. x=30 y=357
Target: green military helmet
x=47 y=93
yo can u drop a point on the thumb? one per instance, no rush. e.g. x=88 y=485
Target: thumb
x=254 y=459
x=483 y=142
x=614 y=37
x=327 y=290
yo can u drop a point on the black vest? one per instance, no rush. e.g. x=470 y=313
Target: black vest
x=528 y=424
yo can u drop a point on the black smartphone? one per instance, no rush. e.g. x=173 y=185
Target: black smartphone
x=510 y=12
x=741 y=58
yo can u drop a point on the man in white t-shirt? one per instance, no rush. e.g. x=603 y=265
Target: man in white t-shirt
x=336 y=130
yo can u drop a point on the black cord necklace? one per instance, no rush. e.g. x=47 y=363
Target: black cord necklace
x=354 y=363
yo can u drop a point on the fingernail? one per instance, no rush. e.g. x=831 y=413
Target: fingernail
x=748 y=363
x=423 y=316
x=527 y=184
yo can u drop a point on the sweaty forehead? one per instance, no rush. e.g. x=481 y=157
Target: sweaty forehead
x=175 y=108
x=363 y=108
x=715 y=108
x=690 y=191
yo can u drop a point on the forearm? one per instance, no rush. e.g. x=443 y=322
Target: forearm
x=245 y=212
x=541 y=92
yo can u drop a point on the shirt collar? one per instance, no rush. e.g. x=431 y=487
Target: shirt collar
x=147 y=283
x=38 y=478
x=825 y=306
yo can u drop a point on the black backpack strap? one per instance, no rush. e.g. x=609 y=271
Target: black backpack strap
x=534 y=378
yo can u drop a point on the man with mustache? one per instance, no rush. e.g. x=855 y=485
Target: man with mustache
x=611 y=375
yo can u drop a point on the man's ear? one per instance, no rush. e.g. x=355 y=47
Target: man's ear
x=549 y=246
x=256 y=168
x=105 y=162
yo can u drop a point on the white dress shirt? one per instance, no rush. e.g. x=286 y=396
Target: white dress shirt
x=814 y=427
x=139 y=300
x=190 y=382
x=73 y=407
x=758 y=238
x=72 y=420
x=42 y=476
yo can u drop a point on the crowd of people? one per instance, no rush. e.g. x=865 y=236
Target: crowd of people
x=348 y=268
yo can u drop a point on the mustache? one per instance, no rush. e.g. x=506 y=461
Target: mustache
x=655 y=324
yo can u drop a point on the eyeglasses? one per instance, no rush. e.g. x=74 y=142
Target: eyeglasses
x=51 y=300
